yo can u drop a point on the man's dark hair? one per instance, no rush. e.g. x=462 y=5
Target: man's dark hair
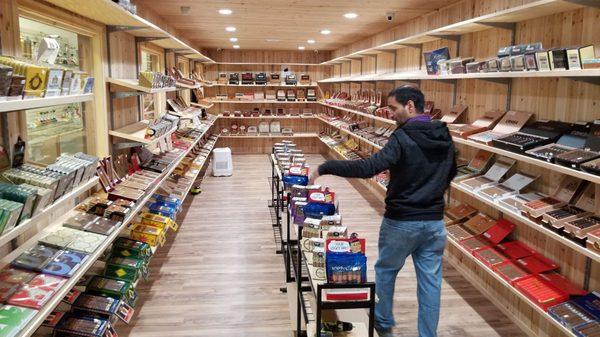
x=407 y=93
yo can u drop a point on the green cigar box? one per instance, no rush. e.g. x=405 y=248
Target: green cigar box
x=124 y=247
x=110 y=287
x=124 y=268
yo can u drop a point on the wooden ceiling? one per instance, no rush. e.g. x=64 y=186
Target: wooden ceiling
x=286 y=24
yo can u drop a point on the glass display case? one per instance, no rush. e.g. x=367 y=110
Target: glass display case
x=53 y=130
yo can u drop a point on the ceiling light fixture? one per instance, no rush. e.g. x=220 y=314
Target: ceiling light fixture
x=311 y=41
x=233 y=39
x=225 y=11
x=325 y=31
x=236 y=46
x=350 y=15
x=230 y=29
x=301 y=47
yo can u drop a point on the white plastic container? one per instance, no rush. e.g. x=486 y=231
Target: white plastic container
x=222 y=163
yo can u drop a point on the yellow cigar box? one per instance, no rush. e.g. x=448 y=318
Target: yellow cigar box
x=156 y=220
x=35 y=80
x=154 y=236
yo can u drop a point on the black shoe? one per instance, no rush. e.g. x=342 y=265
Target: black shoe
x=384 y=332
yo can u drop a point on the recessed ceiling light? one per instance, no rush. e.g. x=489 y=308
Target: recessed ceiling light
x=225 y=11
x=311 y=41
x=236 y=46
x=350 y=15
x=230 y=29
x=273 y=40
x=233 y=39
x=325 y=31
x=301 y=47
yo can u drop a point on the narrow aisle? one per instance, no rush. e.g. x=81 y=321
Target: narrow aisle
x=220 y=275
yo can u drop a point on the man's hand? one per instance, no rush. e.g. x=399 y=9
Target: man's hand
x=312 y=177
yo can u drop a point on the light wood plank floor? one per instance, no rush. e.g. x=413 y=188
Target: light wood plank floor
x=220 y=276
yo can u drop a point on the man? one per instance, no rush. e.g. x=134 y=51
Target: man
x=421 y=158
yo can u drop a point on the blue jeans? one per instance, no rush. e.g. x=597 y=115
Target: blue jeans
x=425 y=241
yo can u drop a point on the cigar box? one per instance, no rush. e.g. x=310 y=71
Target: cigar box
x=561 y=282
x=159 y=221
x=443 y=67
x=274 y=78
x=103 y=226
x=558 y=59
x=14 y=318
x=515 y=202
x=592 y=166
x=591 y=150
x=456 y=114
x=37 y=292
x=475 y=243
x=517 y=62
x=460 y=213
x=591 y=329
x=530 y=61
x=476 y=67
x=570 y=141
x=432 y=58
x=492 y=66
x=261 y=79
x=479 y=224
x=536 y=134
x=499 y=231
x=234 y=78
x=540 y=292
x=575 y=55
x=485 y=122
x=124 y=268
x=311 y=95
x=290 y=95
x=6 y=73
x=305 y=79
x=515 y=249
x=489 y=256
x=65 y=264
x=512 y=122
x=585 y=206
x=35 y=258
x=592 y=63
x=247 y=78
x=16 y=276
x=543 y=60
x=537 y=264
x=106 y=286
x=87 y=242
x=498 y=170
x=509 y=271
x=458 y=232
x=125 y=247
x=60 y=237
x=35 y=80
x=570 y=315
x=102 y=307
x=478 y=164
x=73 y=325
x=151 y=235
x=222 y=78
x=54 y=82
x=459 y=66
x=510 y=186
x=589 y=303
x=561 y=196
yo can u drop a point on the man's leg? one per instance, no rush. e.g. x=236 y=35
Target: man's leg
x=395 y=244
x=428 y=264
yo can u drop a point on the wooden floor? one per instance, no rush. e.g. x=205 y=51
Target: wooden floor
x=220 y=276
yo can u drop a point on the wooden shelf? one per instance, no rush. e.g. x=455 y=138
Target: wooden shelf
x=268 y=85
x=265 y=64
x=111 y=14
x=499 y=278
x=181 y=86
x=524 y=12
x=267 y=117
x=231 y=101
x=295 y=135
x=47 y=213
x=350 y=133
x=136 y=132
x=421 y=75
x=530 y=160
x=200 y=105
x=41 y=315
x=525 y=220
x=377 y=118
x=34 y=103
x=134 y=84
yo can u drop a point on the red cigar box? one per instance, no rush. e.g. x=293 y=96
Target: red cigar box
x=540 y=292
x=515 y=249
x=537 y=264
x=475 y=243
x=489 y=256
x=510 y=271
x=499 y=231
x=558 y=281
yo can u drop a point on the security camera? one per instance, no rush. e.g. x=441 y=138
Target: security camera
x=219 y=49
x=390 y=16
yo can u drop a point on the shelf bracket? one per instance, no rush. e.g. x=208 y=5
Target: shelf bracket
x=140 y=39
x=411 y=45
x=589 y=3
x=512 y=26
x=112 y=29
x=450 y=37
x=587 y=273
x=590 y=80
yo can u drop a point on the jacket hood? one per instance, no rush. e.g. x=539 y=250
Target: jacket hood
x=430 y=136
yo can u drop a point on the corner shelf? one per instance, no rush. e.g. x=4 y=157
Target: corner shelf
x=134 y=84
x=34 y=103
x=525 y=220
x=528 y=11
x=530 y=160
x=136 y=132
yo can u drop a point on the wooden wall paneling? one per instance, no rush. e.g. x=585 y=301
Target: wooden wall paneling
x=409 y=59
x=268 y=56
x=9 y=28
x=298 y=125
x=386 y=62
x=369 y=64
x=346 y=71
x=265 y=145
x=337 y=70
x=356 y=67
x=122 y=63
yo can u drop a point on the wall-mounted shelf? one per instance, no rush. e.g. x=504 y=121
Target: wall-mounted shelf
x=34 y=103
x=525 y=220
x=136 y=132
x=530 y=160
x=113 y=15
x=267 y=117
x=421 y=75
x=134 y=85
x=181 y=86
x=524 y=12
x=350 y=133
x=216 y=101
x=295 y=135
x=264 y=64
x=205 y=105
x=377 y=118
x=268 y=85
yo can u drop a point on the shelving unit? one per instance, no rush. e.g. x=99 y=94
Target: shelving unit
x=34 y=103
x=295 y=135
x=377 y=118
x=350 y=133
x=134 y=85
x=216 y=101
x=268 y=85
x=268 y=117
x=136 y=132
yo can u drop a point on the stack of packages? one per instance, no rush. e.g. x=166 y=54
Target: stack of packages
x=524 y=268
x=333 y=255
